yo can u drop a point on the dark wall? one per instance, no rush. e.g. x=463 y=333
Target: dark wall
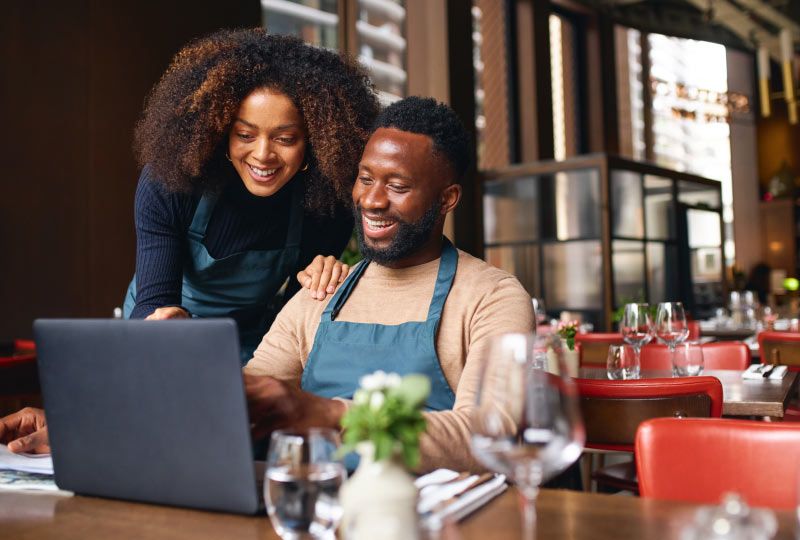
x=73 y=78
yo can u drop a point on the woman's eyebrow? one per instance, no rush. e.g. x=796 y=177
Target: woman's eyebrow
x=254 y=126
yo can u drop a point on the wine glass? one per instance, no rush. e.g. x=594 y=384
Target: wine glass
x=527 y=424
x=302 y=482
x=637 y=327
x=671 y=328
x=539 y=312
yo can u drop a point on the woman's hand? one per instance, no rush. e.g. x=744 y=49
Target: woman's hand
x=25 y=431
x=171 y=312
x=323 y=275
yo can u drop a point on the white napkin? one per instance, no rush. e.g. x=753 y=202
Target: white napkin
x=465 y=500
x=756 y=371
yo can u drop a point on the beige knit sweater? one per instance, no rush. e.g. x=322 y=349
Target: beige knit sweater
x=483 y=301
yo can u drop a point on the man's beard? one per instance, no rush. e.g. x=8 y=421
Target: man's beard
x=408 y=239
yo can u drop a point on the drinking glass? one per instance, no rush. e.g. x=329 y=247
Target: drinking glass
x=527 y=424
x=539 y=311
x=687 y=360
x=637 y=327
x=302 y=483
x=622 y=362
x=671 y=328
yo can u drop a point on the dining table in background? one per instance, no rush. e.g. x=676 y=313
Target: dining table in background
x=560 y=514
x=741 y=397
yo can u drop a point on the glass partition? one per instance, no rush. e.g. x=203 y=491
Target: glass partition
x=662 y=237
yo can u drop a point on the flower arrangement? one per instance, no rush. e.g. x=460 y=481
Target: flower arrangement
x=567 y=331
x=386 y=411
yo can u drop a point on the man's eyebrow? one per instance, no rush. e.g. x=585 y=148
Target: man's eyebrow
x=282 y=126
x=395 y=174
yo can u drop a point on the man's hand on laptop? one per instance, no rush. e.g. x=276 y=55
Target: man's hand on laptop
x=25 y=431
x=273 y=404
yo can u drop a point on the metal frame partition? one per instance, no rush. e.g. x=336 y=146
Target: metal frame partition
x=591 y=233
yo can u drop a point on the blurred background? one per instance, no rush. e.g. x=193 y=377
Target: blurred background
x=625 y=150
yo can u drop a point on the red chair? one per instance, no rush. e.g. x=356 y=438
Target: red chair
x=782 y=348
x=694 y=330
x=722 y=355
x=700 y=459
x=19 y=378
x=613 y=410
x=593 y=347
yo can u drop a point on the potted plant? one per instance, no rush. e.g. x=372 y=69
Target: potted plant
x=383 y=425
x=567 y=330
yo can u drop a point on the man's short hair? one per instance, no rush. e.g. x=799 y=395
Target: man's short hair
x=436 y=120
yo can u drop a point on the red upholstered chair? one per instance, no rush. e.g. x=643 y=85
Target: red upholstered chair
x=694 y=330
x=784 y=349
x=593 y=347
x=19 y=378
x=722 y=355
x=613 y=410
x=700 y=459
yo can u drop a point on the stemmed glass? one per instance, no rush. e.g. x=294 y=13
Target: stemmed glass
x=671 y=327
x=540 y=315
x=527 y=424
x=301 y=487
x=637 y=327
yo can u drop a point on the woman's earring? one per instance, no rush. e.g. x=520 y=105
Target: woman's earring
x=229 y=157
x=305 y=167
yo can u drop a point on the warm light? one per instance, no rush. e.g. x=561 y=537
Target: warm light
x=776 y=246
x=791 y=284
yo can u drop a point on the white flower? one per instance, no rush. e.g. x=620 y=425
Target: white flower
x=376 y=381
x=393 y=380
x=361 y=397
x=376 y=400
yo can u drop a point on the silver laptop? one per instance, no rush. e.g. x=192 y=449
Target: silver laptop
x=150 y=411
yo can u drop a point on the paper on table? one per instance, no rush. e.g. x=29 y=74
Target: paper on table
x=33 y=463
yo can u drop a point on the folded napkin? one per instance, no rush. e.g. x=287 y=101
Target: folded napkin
x=757 y=371
x=446 y=494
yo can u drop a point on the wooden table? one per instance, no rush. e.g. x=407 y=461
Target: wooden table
x=561 y=514
x=741 y=397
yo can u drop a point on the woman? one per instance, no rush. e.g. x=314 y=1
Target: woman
x=249 y=146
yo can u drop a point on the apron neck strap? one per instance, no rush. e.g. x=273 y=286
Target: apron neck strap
x=444 y=280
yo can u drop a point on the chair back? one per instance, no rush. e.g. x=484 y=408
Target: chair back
x=783 y=347
x=723 y=355
x=613 y=410
x=593 y=347
x=19 y=378
x=699 y=460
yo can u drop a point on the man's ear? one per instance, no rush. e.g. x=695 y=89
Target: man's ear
x=450 y=197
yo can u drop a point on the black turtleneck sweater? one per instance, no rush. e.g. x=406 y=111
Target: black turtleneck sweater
x=240 y=222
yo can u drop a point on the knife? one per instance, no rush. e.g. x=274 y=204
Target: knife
x=768 y=372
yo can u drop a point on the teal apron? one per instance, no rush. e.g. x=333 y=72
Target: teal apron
x=344 y=352
x=242 y=285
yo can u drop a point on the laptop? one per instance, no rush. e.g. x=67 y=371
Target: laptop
x=150 y=411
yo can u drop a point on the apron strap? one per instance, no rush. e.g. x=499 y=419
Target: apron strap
x=343 y=293
x=202 y=215
x=444 y=279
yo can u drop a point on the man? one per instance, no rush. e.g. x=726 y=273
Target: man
x=419 y=306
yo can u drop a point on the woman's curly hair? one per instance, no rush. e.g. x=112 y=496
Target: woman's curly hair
x=182 y=134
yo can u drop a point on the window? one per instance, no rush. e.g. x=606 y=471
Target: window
x=371 y=30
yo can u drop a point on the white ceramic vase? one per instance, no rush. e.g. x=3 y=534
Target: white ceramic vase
x=379 y=500
x=571 y=360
